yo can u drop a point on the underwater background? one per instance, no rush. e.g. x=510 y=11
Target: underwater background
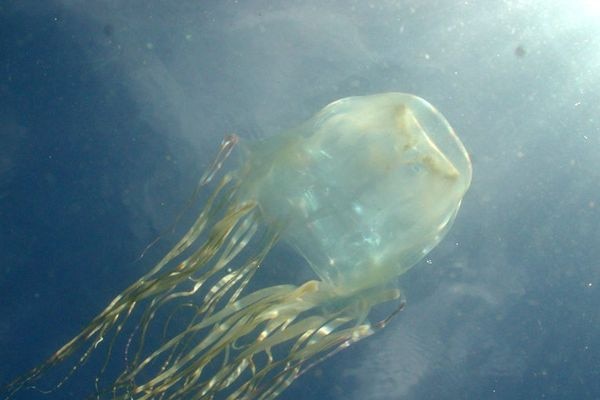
x=111 y=110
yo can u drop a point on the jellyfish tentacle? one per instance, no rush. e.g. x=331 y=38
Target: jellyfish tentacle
x=185 y=269
x=235 y=280
x=307 y=336
x=151 y=284
x=324 y=340
x=225 y=149
x=227 y=145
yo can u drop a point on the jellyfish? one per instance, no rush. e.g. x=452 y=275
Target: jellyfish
x=362 y=191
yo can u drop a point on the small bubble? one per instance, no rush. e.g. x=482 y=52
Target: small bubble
x=520 y=51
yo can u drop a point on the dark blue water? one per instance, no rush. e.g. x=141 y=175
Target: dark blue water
x=109 y=111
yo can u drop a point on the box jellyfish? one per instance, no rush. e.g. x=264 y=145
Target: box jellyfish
x=362 y=191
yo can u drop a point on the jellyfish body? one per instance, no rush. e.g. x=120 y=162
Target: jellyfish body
x=370 y=184
x=363 y=191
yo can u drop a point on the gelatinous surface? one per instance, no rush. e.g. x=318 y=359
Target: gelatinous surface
x=370 y=184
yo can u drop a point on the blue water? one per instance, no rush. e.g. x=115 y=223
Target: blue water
x=110 y=110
